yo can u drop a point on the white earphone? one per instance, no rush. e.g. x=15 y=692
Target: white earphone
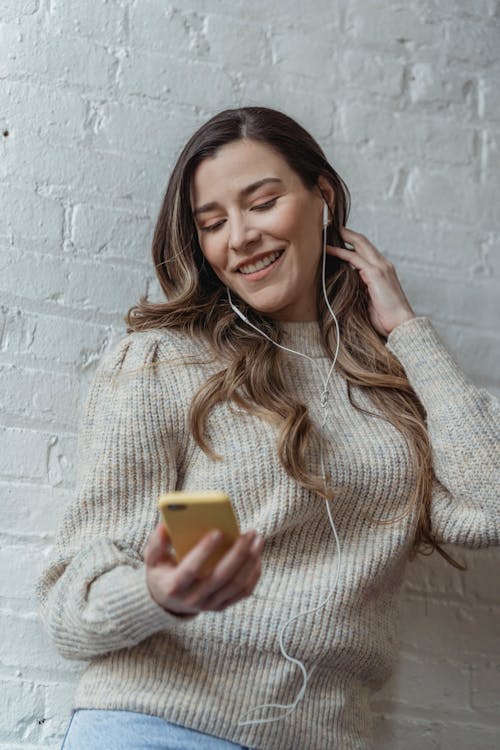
x=323 y=400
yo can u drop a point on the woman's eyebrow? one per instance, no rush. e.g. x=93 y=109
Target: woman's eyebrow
x=244 y=192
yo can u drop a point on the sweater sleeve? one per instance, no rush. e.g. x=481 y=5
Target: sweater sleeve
x=463 y=422
x=93 y=596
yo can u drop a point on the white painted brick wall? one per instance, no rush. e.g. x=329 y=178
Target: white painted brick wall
x=96 y=99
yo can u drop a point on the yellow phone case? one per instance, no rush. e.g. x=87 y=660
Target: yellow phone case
x=188 y=516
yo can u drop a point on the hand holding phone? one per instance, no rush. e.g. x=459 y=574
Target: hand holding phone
x=189 y=515
x=211 y=574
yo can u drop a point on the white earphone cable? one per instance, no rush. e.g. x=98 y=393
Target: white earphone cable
x=323 y=400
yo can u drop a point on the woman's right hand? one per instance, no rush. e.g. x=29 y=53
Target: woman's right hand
x=181 y=589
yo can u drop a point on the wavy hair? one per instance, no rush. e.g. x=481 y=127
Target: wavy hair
x=252 y=376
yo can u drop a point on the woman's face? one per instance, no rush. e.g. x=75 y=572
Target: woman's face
x=240 y=224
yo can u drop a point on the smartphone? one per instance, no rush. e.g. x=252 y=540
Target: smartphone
x=188 y=516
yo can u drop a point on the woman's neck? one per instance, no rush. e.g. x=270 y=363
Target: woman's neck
x=302 y=335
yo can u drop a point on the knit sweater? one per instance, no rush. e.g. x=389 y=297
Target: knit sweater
x=206 y=672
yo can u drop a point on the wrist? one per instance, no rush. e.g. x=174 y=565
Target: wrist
x=400 y=320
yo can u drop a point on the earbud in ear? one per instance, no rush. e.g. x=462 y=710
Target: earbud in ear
x=325 y=214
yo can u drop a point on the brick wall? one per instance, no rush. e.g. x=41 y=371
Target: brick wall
x=96 y=99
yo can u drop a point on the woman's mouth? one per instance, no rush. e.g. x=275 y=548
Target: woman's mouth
x=261 y=272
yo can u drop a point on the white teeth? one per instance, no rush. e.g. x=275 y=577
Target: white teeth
x=252 y=267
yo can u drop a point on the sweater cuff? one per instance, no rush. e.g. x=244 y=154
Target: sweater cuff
x=428 y=364
x=122 y=595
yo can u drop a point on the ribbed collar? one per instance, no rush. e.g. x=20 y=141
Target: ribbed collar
x=303 y=336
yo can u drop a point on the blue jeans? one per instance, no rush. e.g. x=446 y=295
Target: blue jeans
x=96 y=729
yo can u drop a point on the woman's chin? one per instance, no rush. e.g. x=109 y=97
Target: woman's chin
x=266 y=301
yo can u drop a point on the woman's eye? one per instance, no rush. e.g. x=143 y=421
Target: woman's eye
x=268 y=204
x=212 y=228
x=260 y=207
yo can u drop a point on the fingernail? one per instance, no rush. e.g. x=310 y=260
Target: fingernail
x=256 y=544
x=216 y=536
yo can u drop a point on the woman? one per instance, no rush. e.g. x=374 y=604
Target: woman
x=291 y=372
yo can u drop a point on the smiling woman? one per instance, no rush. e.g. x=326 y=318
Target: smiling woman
x=343 y=431
x=263 y=240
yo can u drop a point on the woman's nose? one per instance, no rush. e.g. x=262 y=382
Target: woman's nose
x=241 y=232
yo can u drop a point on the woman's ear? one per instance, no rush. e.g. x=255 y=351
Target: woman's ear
x=327 y=192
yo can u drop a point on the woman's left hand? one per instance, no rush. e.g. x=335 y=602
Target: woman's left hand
x=388 y=306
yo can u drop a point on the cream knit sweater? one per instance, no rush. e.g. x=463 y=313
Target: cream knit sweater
x=205 y=672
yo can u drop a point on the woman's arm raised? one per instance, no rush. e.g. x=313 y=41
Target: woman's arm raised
x=464 y=429
x=463 y=421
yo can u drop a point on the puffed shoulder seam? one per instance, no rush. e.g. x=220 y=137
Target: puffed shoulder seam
x=140 y=348
x=149 y=360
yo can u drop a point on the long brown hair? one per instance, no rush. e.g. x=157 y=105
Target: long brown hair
x=252 y=377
